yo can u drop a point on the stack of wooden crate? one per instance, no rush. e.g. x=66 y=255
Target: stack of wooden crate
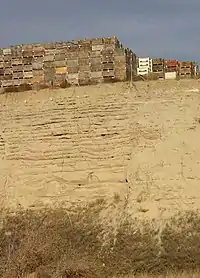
x=62 y=64
x=158 y=68
x=171 y=69
x=186 y=69
x=96 y=69
x=144 y=66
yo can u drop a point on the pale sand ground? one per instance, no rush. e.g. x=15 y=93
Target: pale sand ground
x=77 y=145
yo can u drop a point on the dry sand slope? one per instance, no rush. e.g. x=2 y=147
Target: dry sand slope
x=81 y=144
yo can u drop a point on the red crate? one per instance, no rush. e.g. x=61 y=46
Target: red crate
x=171 y=63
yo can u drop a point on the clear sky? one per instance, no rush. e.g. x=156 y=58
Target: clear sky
x=157 y=28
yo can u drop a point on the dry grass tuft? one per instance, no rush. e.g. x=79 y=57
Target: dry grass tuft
x=69 y=243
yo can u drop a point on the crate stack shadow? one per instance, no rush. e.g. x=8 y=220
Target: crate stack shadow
x=63 y=64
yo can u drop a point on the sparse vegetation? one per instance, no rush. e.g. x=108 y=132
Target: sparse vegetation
x=116 y=198
x=70 y=244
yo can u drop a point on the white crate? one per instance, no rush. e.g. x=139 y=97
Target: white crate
x=170 y=75
x=6 y=83
x=144 y=59
x=28 y=74
x=144 y=68
x=145 y=62
x=7 y=51
x=143 y=71
x=97 y=47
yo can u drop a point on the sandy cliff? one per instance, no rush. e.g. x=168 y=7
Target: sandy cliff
x=80 y=144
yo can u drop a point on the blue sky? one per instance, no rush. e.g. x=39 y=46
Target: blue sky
x=157 y=28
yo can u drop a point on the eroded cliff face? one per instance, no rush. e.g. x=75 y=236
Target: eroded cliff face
x=139 y=146
x=65 y=145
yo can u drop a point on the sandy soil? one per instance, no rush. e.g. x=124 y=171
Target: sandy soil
x=138 y=145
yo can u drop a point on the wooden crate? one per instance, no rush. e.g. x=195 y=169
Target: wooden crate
x=16 y=51
x=59 y=79
x=38 y=79
x=18 y=75
x=27 y=47
x=7 y=64
x=49 y=46
x=98 y=47
x=27 y=53
x=171 y=69
x=17 y=81
x=95 y=60
x=186 y=70
x=17 y=61
x=96 y=74
x=59 y=57
x=157 y=68
x=95 y=54
x=185 y=64
x=47 y=65
x=71 y=55
x=28 y=74
x=96 y=67
x=50 y=52
x=72 y=62
x=8 y=71
x=83 y=61
x=38 y=50
x=72 y=78
x=97 y=41
x=84 y=68
x=108 y=73
x=27 y=67
x=49 y=58
x=28 y=80
x=186 y=75
x=156 y=75
x=157 y=61
x=27 y=60
x=108 y=66
x=17 y=68
x=72 y=70
x=83 y=54
x=59 y=64
x=7 y=83
x=38 y=72
x=107 y=56
x=7 y=58
x=49 y=74
x=61 y=70
x=84 y=78
x=37 y=65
